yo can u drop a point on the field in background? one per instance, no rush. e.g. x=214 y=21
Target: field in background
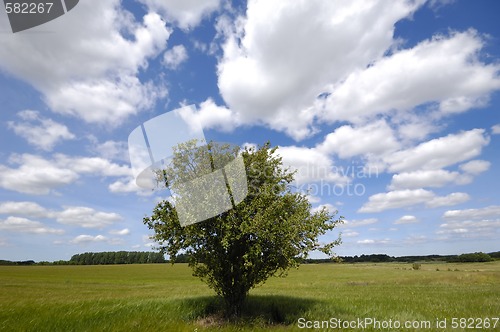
x=161 y=297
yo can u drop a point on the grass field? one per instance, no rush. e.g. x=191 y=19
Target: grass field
x=162 y=297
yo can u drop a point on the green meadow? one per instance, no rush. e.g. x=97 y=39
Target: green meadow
x=162 y=297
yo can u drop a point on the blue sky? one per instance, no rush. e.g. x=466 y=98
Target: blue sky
x=388 y=110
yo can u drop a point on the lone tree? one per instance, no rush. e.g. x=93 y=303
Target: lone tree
x=266 y=234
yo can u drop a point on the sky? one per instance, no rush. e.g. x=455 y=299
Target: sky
x=388 y=110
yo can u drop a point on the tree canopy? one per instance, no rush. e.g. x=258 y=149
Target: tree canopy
x=118 y=257
x=264 y=235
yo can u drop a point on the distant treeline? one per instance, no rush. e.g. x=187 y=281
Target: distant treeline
x=146 y=257
x=383 y=258
x=4 y=262
x=101 y=258
x=117 y=257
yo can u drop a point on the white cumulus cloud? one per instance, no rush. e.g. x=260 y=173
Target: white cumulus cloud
x=373 y=241
x=421 y=179
x=360 y=222
x=445 y=70
x=475 y=167
x=33 y=174
x=277 y=60
x=24 y=225
x=488 y=212
x=210 y=115
x=41 y=132
x=348 y=141
x=187 y=14
x=173 y=57
x=311 y=165
x=87 y=217
x=113 y=48
x=26 y=209
x=86 y=239
x=124 y=231
x=409 y=197
x=406 y=220
x=471 y=223
x=439 y=152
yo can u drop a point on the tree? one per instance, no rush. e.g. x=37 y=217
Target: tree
x=474 y=257
x=264 y=235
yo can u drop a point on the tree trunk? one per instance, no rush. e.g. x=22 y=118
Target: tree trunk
x=235 y=298
x=234 y=304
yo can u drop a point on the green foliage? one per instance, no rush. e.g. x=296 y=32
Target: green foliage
x=6 y=262
x=416 y=266
x=474 y=257
x=375 y=258
x=118 y=257
x=494 y=255
x=264 y=235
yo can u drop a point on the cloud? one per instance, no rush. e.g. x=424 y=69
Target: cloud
x=27 y=209
x=348 y=141
x=276 y=60
x=69 y=215
x=86 y=239
x=91 y=165
x=438 y=177
x=437 y=4
x=360 y=222
x=41 y=132
x=492 y=211
x=475 y=167
x=105 y=101
x=404 y=198
x=314 y=199
x=111 y=150
x=187 y=14
x=210 y=116
x=86 y=217
x=128 y=185
x=406 y=220
x=471 y=223
x=439 y=152
x=329 y=207
x=350 y=234
x=444 y=70
x=113 y=47
x=311 y=165
x=414 y=127
x=40 y=176
x=317 y=82
x=421 y=179
x=175 y=56
x=396 y=199
x=451 y=199
x=34 y=175
x=371 y=241
x=124 y=231
x=468 y=230
x=24 y=225
x=495 y=129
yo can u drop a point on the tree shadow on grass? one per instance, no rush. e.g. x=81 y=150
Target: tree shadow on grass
x=260 y=310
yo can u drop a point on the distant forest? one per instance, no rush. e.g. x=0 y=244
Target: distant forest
x=102 y=258
x=148 y=257
x=383 y=258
